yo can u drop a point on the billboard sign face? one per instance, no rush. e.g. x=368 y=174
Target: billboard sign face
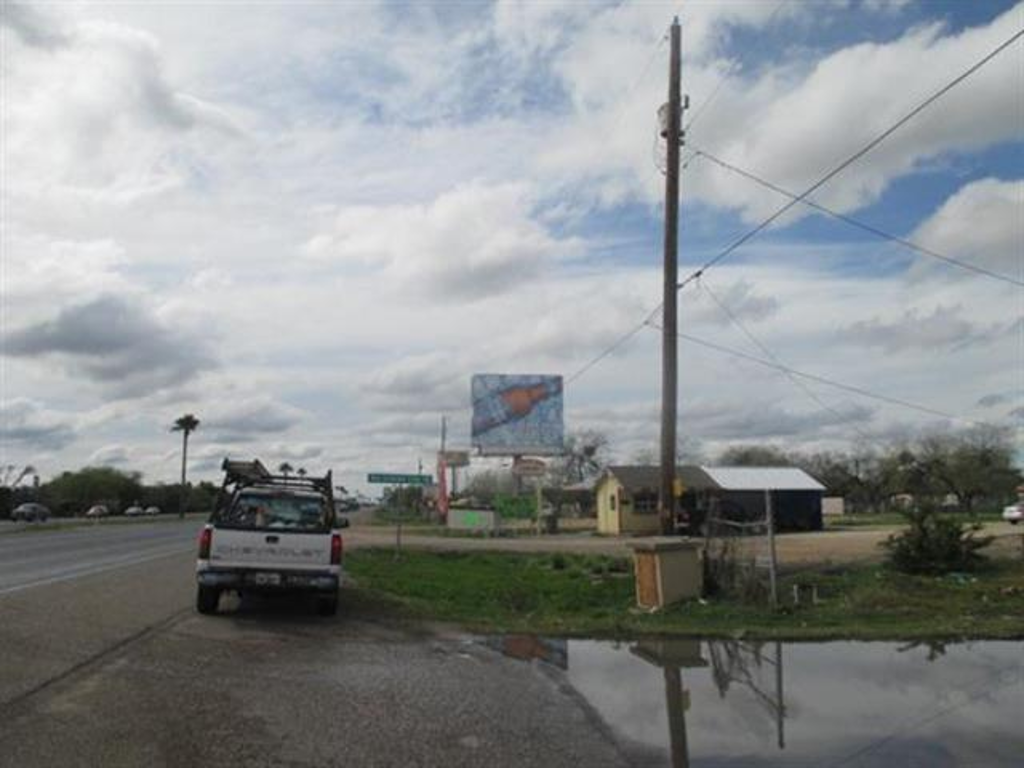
x=517 y=415
x=454 y=458
x=529 y=467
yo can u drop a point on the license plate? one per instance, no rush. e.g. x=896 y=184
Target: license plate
x=267 y=579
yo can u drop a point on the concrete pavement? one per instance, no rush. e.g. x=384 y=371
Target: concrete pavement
x=110 y=666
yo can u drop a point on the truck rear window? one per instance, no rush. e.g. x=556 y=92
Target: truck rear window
x=293 y=513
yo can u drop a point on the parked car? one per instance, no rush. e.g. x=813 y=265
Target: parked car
x=31 y=512
x=134 y=511
x=346 y=504
x=1014 y=513
x=97 y=510
x=151 y=511
x=270 y=534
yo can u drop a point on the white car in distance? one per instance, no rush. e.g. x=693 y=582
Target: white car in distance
x=1014 y=513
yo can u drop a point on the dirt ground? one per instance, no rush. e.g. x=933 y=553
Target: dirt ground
x=794 y=549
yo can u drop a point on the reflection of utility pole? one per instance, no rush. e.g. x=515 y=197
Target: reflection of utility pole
x=676 y=710
x=780 y=705
x=669 y=342
x=672 y=656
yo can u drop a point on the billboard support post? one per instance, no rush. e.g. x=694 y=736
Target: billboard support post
x=540 y=505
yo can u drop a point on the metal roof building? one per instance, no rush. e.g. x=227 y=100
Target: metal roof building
x=762 y=479
x=627 y=497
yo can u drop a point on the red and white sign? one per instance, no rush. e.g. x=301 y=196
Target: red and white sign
x=529 y=467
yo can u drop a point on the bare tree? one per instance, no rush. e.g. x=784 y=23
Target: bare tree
x=584 y=457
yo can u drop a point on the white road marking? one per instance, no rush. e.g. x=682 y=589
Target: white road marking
x=89 y=570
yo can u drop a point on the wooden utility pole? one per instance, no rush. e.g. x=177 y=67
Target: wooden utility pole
x=669 y=362
x=769 y=514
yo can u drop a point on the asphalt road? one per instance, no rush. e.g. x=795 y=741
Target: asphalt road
x=29 y=559
x=103 y=662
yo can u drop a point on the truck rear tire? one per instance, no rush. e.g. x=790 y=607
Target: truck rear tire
x=207 y=599
x=327 y=605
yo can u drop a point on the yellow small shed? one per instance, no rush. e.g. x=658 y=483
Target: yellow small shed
x=627 y=501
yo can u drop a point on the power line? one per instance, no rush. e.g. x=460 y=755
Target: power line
x=856 y=155
x=613 y=347
x=846 y=419
x=829 y=382
x=726 y=75
x=799 y=198
x=856 y=223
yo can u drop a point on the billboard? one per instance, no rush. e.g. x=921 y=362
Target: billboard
x=517 y=414
x=454 y=459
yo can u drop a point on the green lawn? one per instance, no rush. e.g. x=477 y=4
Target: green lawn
x=593 y=595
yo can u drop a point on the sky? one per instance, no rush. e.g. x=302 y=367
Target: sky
x=310 y=223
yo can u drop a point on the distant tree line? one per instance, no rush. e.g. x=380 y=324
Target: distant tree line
x=72 y=493
x=975 y=467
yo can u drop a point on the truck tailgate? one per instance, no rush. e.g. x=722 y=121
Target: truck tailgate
x=232 y=548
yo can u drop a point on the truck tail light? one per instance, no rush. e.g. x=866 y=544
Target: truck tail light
x=205 y=539
x=336 y=549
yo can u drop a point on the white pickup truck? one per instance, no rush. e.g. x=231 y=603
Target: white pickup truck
x=270 y=534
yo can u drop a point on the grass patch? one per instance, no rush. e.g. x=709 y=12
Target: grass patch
x=67 y=523
x=897 y=519
x=593 y=595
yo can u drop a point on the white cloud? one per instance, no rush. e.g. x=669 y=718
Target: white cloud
x=787 y=121
x=110 y=455
x=943 y=329
x=26 y=427
x=250 y=418
x=982 y=224
x=91 y=117
x=115 y=342
x=473 y=241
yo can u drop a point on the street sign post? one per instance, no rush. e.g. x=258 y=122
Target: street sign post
x=384 y=478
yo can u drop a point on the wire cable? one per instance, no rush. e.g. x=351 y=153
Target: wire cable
x=799 y=198
x=726 y=75
x=843 y=418
x=855 y=222
x=829 y=382
x=856 y=155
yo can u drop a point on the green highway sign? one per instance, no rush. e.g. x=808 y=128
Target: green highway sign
x=389 y=479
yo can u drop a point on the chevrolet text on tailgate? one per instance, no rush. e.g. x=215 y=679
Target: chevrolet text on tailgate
x=270 y=533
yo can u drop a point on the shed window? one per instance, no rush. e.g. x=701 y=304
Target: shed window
x=646 y=504
x=611 y=500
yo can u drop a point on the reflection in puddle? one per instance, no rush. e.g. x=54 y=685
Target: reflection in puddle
x=551 y=650
x=677 y=702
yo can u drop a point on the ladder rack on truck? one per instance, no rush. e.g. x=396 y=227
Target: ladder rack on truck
x=241 y=475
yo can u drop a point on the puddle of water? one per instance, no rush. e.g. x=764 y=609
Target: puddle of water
x=827 y=705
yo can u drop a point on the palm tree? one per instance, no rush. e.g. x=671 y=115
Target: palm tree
x=284 y=468
x=186 y=424
x=301 y=472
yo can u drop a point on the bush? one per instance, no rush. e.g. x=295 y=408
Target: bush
x=515 y=507
x=936 y=544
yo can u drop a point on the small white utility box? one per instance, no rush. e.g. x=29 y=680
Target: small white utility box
x=667 y=570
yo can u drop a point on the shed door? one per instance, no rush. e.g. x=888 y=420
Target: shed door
x=647 y=579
